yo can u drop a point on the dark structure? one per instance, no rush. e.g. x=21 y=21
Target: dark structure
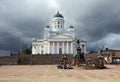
x=100 y=62
x=95 y=60
x=64 y=62
x=79 y=57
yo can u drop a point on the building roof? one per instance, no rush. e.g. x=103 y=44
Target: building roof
x=110 y=50
x=58 y=15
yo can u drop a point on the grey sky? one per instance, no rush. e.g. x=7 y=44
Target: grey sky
x=96 y=21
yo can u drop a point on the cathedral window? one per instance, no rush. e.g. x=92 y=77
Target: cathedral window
x=41 y=46
x=41 y=51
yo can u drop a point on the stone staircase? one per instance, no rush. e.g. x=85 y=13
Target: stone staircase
x=40 y=59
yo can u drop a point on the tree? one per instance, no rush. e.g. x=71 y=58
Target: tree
x=26 y=51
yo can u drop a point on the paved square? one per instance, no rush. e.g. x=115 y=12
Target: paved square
x=49 y=73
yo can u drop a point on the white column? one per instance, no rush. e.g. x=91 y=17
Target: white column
x=33 y=50
x=53 y=47
x=63 y=48
x=48 y=48
x=57 y=47
x=71 y=47
x=40 y=49
x=67 y=47
x=44 y=49
x=37 y=49
x=74 y=49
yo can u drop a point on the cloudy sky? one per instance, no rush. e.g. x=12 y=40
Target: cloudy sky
x=96 y=21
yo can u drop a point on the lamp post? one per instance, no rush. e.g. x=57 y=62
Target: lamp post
x=31 y=60
x=20 y=48
x=29 y=52
x=64 y=58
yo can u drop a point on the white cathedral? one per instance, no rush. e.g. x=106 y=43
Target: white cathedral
x=57 y=38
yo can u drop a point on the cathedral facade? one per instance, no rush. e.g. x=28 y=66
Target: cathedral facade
x=57 y=39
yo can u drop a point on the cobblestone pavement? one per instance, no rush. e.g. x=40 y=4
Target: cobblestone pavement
x=49 y=73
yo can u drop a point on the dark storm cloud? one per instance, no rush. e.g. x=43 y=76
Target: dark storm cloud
x=96 y=21
x=20 y=21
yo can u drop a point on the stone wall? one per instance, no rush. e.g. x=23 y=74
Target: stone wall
x=8 y=60
x=33 y=59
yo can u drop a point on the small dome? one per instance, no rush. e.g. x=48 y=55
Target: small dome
x=58 y=15
x=33 y=39
x=47 y=26
x=71 y=27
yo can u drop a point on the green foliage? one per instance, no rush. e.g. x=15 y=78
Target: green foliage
x=26 y=51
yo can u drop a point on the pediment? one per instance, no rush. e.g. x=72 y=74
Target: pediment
x=60 y=37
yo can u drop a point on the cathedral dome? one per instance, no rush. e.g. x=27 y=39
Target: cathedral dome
x=71 y=27
x=58 y=15
x=47 y=26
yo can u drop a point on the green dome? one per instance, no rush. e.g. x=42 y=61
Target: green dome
x=58 y=15
x=71 y=27
x=47 y=26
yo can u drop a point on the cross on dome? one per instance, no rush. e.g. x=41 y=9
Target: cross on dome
x=58 y=15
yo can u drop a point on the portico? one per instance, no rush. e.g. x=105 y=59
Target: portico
x=66 y=47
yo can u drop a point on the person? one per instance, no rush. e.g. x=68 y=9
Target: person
x=93 y=65
x=116 y=62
